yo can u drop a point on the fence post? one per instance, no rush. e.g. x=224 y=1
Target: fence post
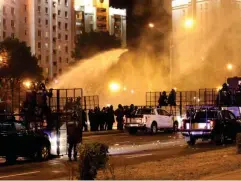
x=180 y=104
x=85 y=102
x=58 y=125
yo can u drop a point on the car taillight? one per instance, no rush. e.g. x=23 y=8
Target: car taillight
x=212 y=123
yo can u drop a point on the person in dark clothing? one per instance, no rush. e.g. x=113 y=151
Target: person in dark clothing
x=163 y=101
x=172 y=100
x=102 y=119
x=74 y=137
x=224 y=96
x=97 y=120
x=111 y=118
x=238 y=95
x=91 y=119
x=119 y=117
x=84 y=120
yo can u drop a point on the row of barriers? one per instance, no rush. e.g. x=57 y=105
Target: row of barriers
x=184 y=99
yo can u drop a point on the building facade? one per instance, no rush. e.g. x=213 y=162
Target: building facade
x=46 y=26
x=96 y=15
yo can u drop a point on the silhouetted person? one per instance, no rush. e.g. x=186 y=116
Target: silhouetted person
x=74 y=137
x=84 y=120
x=102 y=119
x=163 y=101
x=172 y=99
x=91 y=119
x=97 y=120
x=119 y=117
x=224 y=96
x=238 y=96
x=111 y=118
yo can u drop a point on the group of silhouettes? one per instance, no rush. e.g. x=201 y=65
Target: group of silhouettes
x=165 y=100
x=101 y=120
x=229 y=97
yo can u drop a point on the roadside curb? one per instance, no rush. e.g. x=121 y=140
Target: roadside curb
x=102 y=133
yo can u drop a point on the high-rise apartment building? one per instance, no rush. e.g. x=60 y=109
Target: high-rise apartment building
x=46 y=26
x=96 y=15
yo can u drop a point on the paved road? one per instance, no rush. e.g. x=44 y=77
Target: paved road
x=146 y=147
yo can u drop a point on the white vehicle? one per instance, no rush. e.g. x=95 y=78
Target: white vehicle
x=151 y=119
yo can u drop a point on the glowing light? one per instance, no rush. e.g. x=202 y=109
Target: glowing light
x=27 y=84
x=1 y=59
x=151 y=25
x=219 y=88
x=175 y=88
x=56 y=81
x=114 y=87
x=189 y=23
x=132 y=91
x=124 y=88
x=229 y=66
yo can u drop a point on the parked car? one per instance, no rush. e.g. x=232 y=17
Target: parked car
x=219 y=126
x=151 y=119
x=17 y=141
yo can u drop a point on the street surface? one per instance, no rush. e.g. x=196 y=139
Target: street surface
x=124 y=150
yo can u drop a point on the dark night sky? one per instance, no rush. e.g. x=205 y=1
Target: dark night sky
x=121 y=3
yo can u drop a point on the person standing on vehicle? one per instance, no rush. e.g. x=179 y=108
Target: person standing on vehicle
x=119 y=117
x=74 y=137
x=163 y=101
x=172 y=100
x=238 y=95
x=224 y=96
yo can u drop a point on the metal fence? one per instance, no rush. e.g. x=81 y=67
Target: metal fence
x=91 y=102
x=183 y=99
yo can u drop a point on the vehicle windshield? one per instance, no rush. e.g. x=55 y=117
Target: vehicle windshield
x=144 y=111
x=205 y=115
x=6 y=127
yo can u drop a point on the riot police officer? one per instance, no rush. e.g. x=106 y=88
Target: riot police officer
x=74 y=137
x=172 y=99
x=224 y=96
x=238 y=95
x=163 y=101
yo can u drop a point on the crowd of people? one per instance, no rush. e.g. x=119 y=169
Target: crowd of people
x=104 y=119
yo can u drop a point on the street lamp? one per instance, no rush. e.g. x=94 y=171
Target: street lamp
x=229 y=66
x=27 y=84
x=114 y=87
x=151 y=25
x=189 y=23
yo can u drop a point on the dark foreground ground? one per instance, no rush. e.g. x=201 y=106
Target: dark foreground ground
x=163 y=156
